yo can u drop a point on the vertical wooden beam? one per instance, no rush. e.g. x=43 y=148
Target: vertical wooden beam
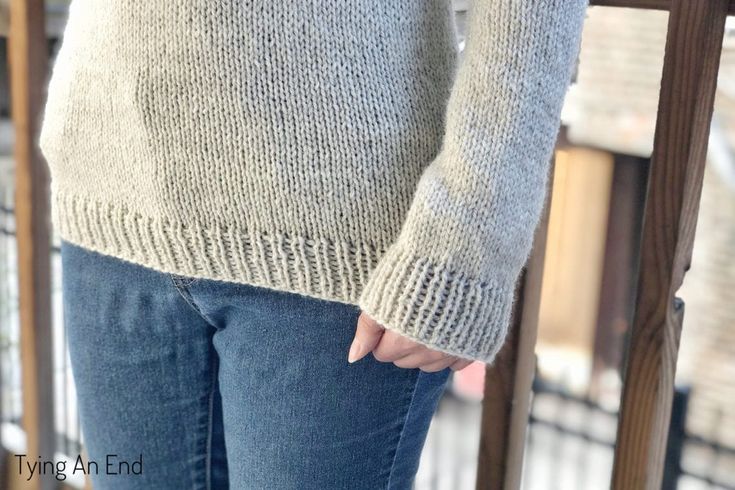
x=639 y=4
x=28 y=62
x=509 y=378
x=615 y=312
x=645 y=4
x=691 y=63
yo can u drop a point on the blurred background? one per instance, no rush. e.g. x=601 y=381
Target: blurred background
x=588 y=290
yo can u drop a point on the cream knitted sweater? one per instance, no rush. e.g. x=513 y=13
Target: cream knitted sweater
x=340 y=150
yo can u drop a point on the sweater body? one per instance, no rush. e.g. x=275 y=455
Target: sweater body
x=340 y=150
x=272 y=143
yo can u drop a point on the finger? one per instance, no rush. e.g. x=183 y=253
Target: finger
x=367 y=336
x=438 y=365
x=418 y=359
x=394 y=346
x=460 y=364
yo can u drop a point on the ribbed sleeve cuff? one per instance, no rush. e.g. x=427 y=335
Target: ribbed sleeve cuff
x=445 y=310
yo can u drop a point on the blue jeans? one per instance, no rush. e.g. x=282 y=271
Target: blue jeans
x=195 y=383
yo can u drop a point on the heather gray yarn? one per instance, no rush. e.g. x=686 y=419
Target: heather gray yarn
x=336 y=150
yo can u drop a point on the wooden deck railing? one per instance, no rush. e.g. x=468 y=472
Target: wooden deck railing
x=27 y=58
x=694 y=41
x=691 y=62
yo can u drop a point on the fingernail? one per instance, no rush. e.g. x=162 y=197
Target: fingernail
x=355 y=351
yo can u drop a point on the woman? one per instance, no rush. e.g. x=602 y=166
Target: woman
x=250 y=192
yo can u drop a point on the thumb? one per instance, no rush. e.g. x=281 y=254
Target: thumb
x=367 y=336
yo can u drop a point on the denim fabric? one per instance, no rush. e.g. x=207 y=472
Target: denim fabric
x=224 y=385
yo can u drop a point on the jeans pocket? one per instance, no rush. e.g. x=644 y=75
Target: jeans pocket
x=182 y=281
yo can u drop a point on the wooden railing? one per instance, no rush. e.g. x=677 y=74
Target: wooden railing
x=694 y=41
x=27 y=56
x=691 y=62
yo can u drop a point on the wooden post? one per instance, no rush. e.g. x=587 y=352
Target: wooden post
x=28 y=56
x=508 y=380
x=645 y=4
x=691 y=63
x=641 y=4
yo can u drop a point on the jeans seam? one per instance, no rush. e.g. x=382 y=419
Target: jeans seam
x=184 y=293
x=403 y=428
x=183 y=281
x=208 y=459
x=190 y=280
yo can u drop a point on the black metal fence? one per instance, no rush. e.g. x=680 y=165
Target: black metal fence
x=582 y=433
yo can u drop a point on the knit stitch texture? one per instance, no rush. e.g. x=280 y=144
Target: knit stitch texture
x=340 y=150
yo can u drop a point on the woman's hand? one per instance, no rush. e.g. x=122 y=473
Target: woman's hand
x=389 y=346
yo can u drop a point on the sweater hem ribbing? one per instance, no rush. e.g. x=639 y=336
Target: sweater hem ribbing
x=217 y=252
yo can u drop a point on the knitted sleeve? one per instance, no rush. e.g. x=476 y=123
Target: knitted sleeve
x=448 y=280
